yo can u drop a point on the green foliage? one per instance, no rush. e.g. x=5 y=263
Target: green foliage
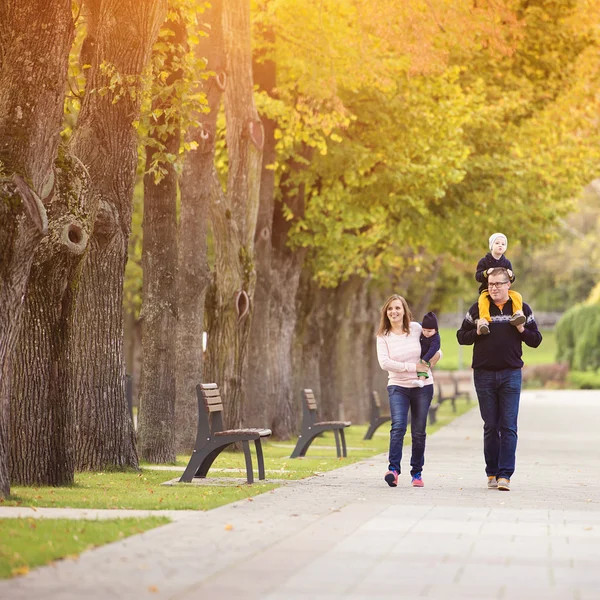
x=578 y=335
x=175 y=98
x=29 y=543
x=584 y=380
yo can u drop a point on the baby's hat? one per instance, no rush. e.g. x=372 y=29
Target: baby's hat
x=429 y=321
x=495 y=236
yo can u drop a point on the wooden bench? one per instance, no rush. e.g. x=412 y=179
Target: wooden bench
x=211 y=439
x=311 y=428
x=377 y=419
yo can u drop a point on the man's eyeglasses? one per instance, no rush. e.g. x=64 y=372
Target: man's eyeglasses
x=497 y=285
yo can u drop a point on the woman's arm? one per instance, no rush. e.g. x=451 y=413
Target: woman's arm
x=387 y=363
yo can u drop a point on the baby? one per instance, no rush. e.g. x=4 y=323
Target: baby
x=430 y=344
x=498 y=243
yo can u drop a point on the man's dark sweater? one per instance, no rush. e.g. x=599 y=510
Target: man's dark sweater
x=502 y=347
x=489 y=262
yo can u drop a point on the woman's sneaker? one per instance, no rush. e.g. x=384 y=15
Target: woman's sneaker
x=391 y=478
x=417 y=481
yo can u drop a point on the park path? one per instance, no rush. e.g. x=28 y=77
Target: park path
x=346 y=534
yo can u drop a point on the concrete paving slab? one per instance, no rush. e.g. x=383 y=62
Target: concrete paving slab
x=345 y=534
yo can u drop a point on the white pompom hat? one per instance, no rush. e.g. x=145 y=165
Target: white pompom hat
x=495 y=236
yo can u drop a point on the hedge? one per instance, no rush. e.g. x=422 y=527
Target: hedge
x=578 y=337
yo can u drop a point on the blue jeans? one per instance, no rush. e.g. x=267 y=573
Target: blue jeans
x=418 y=400
x=498 y=393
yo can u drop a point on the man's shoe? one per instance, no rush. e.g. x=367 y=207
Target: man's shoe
x=417 y=481
x=504 y=484
x=392 y=478
x=492 y=483
x=518 y=318
x=482 y=327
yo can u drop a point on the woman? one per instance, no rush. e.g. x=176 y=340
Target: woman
x=399 y=351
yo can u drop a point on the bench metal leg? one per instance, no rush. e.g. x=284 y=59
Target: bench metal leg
x=249 y=472
x=374 y=426
x=343 y=436
x=259 y=459
x=336 y=433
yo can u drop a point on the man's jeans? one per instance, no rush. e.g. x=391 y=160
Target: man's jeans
x=418 y=399
x=498 y=393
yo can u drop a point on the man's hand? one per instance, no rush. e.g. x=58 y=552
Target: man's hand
x=520 y=328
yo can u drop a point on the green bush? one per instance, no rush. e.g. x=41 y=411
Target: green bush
x=584 y=380
x=578 y=337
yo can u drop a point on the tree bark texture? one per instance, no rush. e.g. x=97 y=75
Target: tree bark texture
x=234 y=219
x=156 y=417
x=193 y=271
x=261 y=391
x=41 y=408
x=120 y=35
x=35 y=40
x=285 y=272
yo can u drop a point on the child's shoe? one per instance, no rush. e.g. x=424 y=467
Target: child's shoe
x=518 y=318
x=482 y=327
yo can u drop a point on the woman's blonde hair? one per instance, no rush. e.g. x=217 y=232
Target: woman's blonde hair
x=384 y=323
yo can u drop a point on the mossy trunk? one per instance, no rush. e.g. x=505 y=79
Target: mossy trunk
x=41 y=405
x=35 y=39
x=106 y=142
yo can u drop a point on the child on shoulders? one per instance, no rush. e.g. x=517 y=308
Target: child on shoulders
x=498 y=243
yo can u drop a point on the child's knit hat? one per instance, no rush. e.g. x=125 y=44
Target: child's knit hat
x=430 y=321
x=495 y=236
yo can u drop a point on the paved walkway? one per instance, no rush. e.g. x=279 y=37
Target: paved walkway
x=345 y=534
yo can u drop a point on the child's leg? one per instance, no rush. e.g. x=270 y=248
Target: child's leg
x=517 y=301
x=484 y=306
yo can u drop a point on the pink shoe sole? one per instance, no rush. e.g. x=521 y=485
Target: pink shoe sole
x=417 y=483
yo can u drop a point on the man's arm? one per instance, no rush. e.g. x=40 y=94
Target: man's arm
x=467 y=334
x=530 y=333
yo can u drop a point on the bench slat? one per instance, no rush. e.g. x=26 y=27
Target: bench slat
x=211 y=393
x=213 y=400
x=215 y=407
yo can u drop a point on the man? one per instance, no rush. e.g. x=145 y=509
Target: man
x=497 y=375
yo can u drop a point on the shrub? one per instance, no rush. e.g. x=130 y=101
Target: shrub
x=578 y=337
x=586 y=380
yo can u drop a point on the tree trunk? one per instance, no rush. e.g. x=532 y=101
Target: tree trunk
x=41 y=409
x=234 y=218
x=106 y=142
x=35 y=40
x=158 y=316
x=193 y=271
x=261 y=391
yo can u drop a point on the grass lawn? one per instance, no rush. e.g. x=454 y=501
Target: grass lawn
x=545 y=354
x=26 y=543
x=29 y=543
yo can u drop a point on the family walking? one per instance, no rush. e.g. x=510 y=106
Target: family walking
x=497 y=325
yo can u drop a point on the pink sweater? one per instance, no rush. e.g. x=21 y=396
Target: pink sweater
x=399 y=354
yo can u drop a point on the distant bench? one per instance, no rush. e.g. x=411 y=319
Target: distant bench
x=450 y=385
x=311 y=428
